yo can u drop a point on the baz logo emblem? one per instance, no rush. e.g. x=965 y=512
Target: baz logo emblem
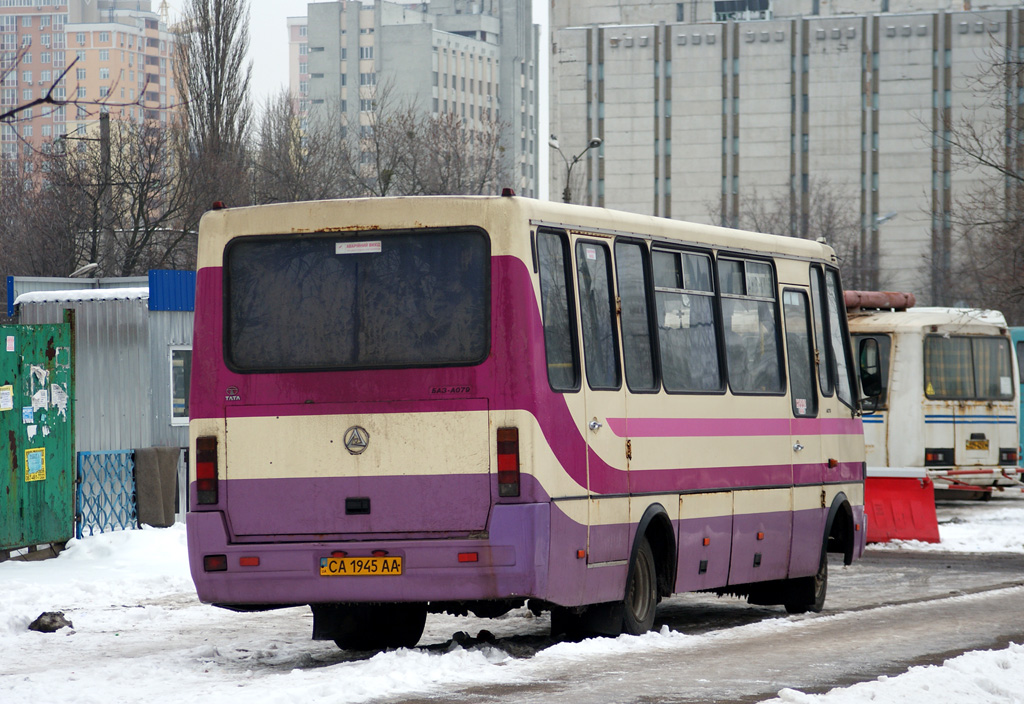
x=356 y=439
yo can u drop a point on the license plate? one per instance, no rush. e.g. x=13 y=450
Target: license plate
x=977 y=445
x=360 y=566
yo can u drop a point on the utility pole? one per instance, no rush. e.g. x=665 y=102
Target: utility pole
x=106 y=208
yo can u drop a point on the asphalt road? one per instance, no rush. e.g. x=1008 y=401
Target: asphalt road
x=887 y=612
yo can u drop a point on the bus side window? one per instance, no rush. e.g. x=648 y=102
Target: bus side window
x=751 y=326
x=637 y=354
x=687 y=334
x=597 y=315
x=801 y=352
x=823 y=354
x=559 y=320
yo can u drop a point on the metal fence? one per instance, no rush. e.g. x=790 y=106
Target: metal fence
x=105 y=495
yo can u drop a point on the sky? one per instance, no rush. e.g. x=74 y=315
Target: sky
x=139 y=634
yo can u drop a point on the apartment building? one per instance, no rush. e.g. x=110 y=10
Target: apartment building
x=476 y=59
x=98 y=55
x=701 y=105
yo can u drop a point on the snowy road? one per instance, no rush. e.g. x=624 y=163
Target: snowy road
x=140 y=635
x=752 y=662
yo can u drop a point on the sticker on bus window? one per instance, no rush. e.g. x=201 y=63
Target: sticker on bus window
x=591 y=253
x=357 y=247
x=801 y=406
x=1005 y=386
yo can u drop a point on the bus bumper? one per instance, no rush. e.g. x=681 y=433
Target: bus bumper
x=511 y=562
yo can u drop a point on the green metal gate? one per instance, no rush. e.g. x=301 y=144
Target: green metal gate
x=37 y=468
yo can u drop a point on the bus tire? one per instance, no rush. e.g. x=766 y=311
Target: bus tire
x=379 y=626
x=641 y=599
x=808 y=593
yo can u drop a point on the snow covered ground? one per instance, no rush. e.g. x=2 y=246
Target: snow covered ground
x=140 y=635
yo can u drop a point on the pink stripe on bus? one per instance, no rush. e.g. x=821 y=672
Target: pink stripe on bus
x=731 y=427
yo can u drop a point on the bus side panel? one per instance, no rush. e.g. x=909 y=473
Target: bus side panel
x=705 y=541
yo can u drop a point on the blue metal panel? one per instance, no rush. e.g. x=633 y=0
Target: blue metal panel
x=172 y=290
x=106 y=492
x=10 y=296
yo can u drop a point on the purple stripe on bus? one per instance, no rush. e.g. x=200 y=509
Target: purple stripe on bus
x=731 y=427
x=396 y=504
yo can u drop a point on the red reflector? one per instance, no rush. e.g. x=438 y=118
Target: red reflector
x=468 y=557
x=215 y=563
x=379 y=553
x=339 y=553
x=832 y=463
x=580 y=554
x=760 y=535
x=707 y=541
x=856 y=526
x=249 y=561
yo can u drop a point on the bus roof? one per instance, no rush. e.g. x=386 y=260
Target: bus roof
x=489 y=212
x=913 y=320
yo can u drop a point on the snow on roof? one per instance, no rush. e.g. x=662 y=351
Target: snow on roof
x=84 y=294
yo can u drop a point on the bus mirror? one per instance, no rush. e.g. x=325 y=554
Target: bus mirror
x=870 y=373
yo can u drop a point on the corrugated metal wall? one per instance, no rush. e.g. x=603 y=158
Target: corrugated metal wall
x=114 y=370
x=166 y=329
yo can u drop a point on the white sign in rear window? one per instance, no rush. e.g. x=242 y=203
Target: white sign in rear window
x=357 y=247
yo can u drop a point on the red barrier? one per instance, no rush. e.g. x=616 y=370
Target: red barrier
x=900 y=508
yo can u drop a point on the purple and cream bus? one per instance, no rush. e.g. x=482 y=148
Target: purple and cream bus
x=403 y=405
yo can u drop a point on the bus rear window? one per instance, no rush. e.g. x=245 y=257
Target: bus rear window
x=360 y=300
x=960 y=367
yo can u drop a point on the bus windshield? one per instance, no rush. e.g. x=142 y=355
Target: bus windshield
x=957 y=367
x=367 y=299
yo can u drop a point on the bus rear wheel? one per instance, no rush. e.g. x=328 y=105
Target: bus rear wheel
x=641 y=598
x=808 y=593
x=374 y=626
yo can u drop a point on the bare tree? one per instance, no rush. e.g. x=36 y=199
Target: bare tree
x=113 y=201
x=462 y=159
x=35 y=220
x=213 y=79
x=986 y=222
x=385 y=144
x=300 y=159
x=831 y=216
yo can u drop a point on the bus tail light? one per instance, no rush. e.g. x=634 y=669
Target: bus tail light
x=938 y=457
x=1008 y=455
x=508 y=461
x=206 y=469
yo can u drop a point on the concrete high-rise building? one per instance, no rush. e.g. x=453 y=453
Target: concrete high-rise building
x=701 y=105
x=119 y=58
x=474 y=58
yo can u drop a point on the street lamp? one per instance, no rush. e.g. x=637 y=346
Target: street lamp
x=553 y=143
x=83 y=270
x=875 y=265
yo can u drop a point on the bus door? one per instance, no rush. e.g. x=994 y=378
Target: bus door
x=604 y=404
x=811 y=446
